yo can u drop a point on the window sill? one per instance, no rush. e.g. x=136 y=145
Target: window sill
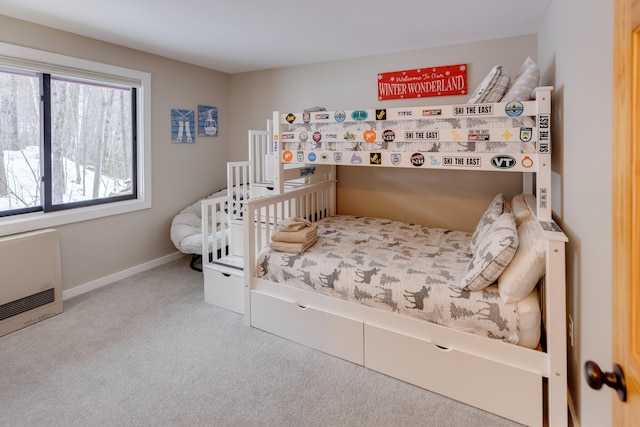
x=39 y=220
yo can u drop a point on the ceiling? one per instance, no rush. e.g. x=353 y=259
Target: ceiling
x=235 y=36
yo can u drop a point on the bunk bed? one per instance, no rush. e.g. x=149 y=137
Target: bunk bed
x=520 y=376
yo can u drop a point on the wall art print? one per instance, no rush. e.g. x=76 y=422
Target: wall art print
x=183 y=123
x=423 y=82
x=207 y=120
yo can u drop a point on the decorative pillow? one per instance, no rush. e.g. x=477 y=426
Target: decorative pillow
x=527 y=266
x=526 y=81
x=493 y=254
x=519 y=209
x=495 y=209
x=492 y=88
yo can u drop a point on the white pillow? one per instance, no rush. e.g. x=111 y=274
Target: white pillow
x=492 y=88
x=527 y=266
x=495 y=209
x=519 y=208
x=493 y=254
x=526 y=81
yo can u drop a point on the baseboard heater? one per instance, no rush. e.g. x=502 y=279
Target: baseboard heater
x=30 y=279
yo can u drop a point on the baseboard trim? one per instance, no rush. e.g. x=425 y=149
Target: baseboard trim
x=103 y=281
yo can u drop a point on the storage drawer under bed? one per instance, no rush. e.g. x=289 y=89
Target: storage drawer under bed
x=224 y=289
x=329 y=332
x=495 y=387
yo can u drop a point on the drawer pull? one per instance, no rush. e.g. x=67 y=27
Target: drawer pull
x=304 y=307
x=441 y=347
x=226 y=274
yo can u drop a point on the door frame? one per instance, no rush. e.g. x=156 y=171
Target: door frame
x=626 y=212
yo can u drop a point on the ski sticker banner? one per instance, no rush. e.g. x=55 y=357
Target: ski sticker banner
x=423 y=82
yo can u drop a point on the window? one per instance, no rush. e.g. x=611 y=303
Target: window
x=76 y=138
x=72 y=143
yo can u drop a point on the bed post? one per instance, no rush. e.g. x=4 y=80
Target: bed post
x=555 y=321
x=278 y=177
x=543 y=177
x=248 y=236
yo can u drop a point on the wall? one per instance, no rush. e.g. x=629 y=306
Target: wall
x=575 y=55
x=438 y=198
x=574 y=51
x=181 y=174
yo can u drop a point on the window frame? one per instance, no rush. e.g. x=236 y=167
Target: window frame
x=21 y=57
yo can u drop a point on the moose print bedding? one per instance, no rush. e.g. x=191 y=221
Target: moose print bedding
x=405 y=268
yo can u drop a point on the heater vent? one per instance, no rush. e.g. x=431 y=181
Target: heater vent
x=30 y=279
x=27 y=303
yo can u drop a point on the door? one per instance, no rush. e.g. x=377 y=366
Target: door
x=626 y=209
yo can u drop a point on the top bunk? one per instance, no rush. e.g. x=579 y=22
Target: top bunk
x=520 y=129
x=504 y=136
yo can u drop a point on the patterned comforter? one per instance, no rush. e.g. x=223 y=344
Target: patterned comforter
x=409 y=269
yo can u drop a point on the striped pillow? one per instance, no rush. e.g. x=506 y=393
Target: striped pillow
x=520 y=209
x=493 y=254
x=492 y=88
x=526 y=81
x=527 y=266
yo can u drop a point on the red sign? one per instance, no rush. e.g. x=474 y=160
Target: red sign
x=423 y=82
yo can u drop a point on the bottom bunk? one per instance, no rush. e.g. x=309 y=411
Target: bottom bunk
x=507 y=374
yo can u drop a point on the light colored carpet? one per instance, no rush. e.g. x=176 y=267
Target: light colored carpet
x=148 y=351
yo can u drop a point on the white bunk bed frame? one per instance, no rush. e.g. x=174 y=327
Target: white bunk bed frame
x=525 y=385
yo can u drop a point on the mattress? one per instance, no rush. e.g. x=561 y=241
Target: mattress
x=409 y=269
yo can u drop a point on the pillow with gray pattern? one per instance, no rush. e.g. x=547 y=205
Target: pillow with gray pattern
x=495 y=209
x=493 y=254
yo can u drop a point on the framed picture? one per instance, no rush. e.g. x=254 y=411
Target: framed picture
x=207 y=120
x=182 y=126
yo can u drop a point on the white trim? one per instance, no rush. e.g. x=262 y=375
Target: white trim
x=11 y=54
x=107 y=280
x=21 y=57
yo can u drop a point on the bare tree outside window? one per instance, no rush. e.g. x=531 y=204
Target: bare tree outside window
x=20 y=168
